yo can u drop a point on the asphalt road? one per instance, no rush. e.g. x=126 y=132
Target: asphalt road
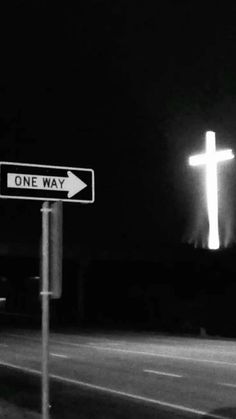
x=121 y=375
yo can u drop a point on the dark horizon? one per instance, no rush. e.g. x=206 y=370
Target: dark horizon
x=130 y=93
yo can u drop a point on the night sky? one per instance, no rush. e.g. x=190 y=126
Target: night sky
x=128 y=90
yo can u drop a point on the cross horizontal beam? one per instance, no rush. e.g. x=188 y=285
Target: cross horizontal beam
x=201 y=159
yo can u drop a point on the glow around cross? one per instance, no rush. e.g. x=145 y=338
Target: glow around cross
x=210 y=159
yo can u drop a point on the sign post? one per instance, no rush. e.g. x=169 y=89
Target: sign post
x=45 y=309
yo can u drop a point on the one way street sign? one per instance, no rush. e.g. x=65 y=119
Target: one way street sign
x=48 y=183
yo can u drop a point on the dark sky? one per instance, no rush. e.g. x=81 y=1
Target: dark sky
x=128 y=90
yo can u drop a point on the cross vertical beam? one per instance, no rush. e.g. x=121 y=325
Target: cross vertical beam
x=212 y=191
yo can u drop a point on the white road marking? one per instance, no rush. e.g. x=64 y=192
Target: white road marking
x=97 y=343
x=18 y=367
x=228 y=384
x=118 y=392
x=58 y=355
x=163 y=373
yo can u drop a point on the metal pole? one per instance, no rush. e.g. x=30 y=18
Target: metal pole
x=45 y=309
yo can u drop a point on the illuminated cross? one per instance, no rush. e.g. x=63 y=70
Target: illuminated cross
x=210 y=159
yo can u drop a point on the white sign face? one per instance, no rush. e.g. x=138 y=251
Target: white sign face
x=27 y=181
x=71 y=184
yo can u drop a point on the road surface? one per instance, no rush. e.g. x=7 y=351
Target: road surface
x=121 y=375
